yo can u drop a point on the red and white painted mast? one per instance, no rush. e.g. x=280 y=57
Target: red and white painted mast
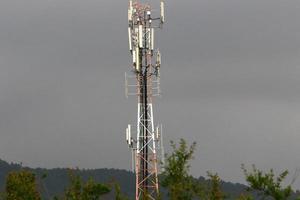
x=146 y=72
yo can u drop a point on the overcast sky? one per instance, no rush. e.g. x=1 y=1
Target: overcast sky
x=230 y=82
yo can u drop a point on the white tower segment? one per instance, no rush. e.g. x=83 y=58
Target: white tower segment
x=141 y=31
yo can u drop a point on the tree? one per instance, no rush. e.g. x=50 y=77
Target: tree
x=211 y=190
x=182 y=186
x=266 y=184
x=176 y=178
x=80 y=190
x=21 y=185
x=215 y=192
x=245 y=197
x=119 y=195
x=92 y=190
x=73 y=192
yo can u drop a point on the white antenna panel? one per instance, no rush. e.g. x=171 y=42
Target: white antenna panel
x=134 y=57
x=129 y=37
x=129 y=15
x=137 y=58
x=130 y=11
x=141 y=36
x=162 y=11
x=157 y=132
x=158 y=59
x=152 y=39
x=129 y=133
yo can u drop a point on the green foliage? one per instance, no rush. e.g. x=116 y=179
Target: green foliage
x=21 y=185
x=75 y=189
x=80 y=190
x=119 y=195
x=182 y=186
x=176 y=178
x=245 y=197
x=267 y=184
x=211 y=190
x=215 y=192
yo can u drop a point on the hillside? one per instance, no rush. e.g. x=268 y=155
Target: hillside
x=57 y=180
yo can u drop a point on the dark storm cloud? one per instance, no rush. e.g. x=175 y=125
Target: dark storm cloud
x=230 y=81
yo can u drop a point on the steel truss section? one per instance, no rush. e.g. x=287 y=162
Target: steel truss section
x=146 y=158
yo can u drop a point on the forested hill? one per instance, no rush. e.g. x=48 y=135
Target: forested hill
x=57 y=179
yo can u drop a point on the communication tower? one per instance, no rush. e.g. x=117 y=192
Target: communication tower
x=144 y=84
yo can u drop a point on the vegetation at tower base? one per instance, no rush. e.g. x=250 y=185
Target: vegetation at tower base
x=181 y=185
x=119 y=194
x=215 y=192
x=176 y=178
x=267 y=185
x=83 y=190
x=176 y=182
x=21 y=185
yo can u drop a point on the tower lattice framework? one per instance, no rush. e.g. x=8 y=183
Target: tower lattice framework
x=146 y=74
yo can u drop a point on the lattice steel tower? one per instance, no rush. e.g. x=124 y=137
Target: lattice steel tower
x=146 y=73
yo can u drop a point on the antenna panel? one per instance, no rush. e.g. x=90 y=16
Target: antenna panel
x=162 y=11
x=130 y=38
